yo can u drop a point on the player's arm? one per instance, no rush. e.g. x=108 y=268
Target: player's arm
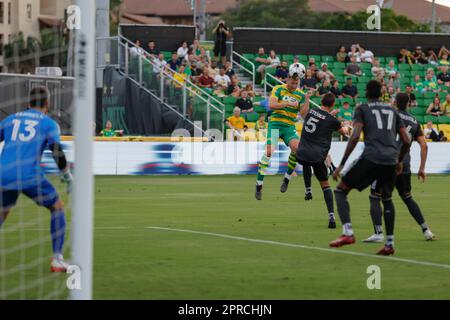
x=406 y=145
x=304 y=109
x=275 y=104
x=55 y=147
x=344 y=131
x=351 y=145
x=423 y=156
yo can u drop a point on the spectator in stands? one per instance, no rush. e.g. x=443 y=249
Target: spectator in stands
x=380 y=78
x=160 y=63
x=444 y=76
x=261 y=63
x=432 y=57
x=325 y=73
x=261 y=124
x=394 y=81
x=435 y=108
x=234 y=89
x=419 y=56
x=195 y=47
x=385 y=97
x=377 y=69
x=391 y=68
x=213 y=70
x=411 y=95
x=353 y=68
x=187 y=68
x=418 y=84
x=341 y=55
x=296 y=59
x=250 y=90
x=443 y=56
x=180 y=77
x=174 y=63
x=432 y=133
x=446 y=106
x=354 y=53
x=229 y=69
x=205 y=81
x=392 y=94
x=430 y=83
x=245 y=104
x=311 y=61
x=152 y=51
x=137 y=50
x=350 y=90
x=365 y=55
x=109 y=132
x=222 y=79
x=324 y=88
x=221 y=33
x=309 y=82
x=336 y=90
x=182 y=51
x=282 y=72
x=346 y=113
x=273 y=59
x=236 y=123
x=405 y=56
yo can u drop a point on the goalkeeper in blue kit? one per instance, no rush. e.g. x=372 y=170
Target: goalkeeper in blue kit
x=26 y=135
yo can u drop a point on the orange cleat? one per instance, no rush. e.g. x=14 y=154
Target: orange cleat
x=386 y=251
x=342 y=241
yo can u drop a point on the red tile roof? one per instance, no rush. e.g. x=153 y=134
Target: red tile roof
x=165 y=8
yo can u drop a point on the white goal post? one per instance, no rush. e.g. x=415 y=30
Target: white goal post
x=84 y=109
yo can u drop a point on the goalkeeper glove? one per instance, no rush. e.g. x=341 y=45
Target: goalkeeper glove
x=67 y=178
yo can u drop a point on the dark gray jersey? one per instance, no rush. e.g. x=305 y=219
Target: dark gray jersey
x=381 y=123
x=316 y=137
x=414 y=130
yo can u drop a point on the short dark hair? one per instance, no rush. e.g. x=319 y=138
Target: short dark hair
x=373 y=89
x=402 y=100
x=38 y=97
x=328 y=100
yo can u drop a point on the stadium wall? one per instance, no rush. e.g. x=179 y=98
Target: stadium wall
x=326 y=42
x=167 y=38
x=216 y=158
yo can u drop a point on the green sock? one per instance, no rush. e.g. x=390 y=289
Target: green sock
x=262 y=170
x=292 y=163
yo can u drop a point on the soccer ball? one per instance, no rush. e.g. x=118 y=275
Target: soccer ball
x=297 y=70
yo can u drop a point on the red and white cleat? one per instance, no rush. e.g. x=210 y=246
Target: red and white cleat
x=386 y=251
x=342 y=241
x=58 y=265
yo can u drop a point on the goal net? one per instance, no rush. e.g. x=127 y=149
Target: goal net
x=46 y=203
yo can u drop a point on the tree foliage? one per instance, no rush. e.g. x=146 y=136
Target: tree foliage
x=297 y=14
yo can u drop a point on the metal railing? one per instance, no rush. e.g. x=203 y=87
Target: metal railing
x=171 y=87
x=251 y=72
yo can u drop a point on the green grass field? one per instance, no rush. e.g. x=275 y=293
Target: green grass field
x=277 y=254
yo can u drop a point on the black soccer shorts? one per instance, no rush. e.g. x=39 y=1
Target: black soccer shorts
x=320 y=169
x=402 y=184
x=364 y=172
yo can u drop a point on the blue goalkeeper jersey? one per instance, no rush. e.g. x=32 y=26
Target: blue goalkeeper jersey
x=26 y=135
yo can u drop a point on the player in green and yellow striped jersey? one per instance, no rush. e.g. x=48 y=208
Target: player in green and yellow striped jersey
x=286 y=101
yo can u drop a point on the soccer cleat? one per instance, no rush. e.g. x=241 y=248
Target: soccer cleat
x=331 y=224
x=258 y=193
x=429 y=236
x=386 y=251
x=58 y=265
x=308 y=196
x=342 y=241
x=375 y=238
x=284 y=185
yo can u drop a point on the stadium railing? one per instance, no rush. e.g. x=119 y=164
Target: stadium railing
x=195 y=103
x=244 y=64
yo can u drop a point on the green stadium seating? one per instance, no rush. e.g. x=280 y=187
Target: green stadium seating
x=251 y=117
x=421 y=119
x=288 y=57
x=302 y=57
x=327 y=59
x=229 y=100
x=418 y=67
x=316 y=58
x=431 y=118
x=444 y=120
x=361 y=87
x=429 y=95
x=339 y=65
x=260 y=109
x=404 y=67
x=229 y=108
x=365 y=66
x=417 y=111
x=364 y=79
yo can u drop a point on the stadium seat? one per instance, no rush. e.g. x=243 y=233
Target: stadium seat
x=302 y=57
x=327 y=59
x=317 y=58
x=421 y=119
x=417 y=111
x=417 y=67
x=288 y=57
x=429 y=95
x=260 y=109
x=339 y=65
x=431 y=118
x=446 y=129
x=444 y=120
x=250 y=117
x=404 y=67
x=229 y=100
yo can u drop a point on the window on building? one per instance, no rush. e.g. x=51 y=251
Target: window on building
x=2 y=11
x=9 y=12
x=29 y=11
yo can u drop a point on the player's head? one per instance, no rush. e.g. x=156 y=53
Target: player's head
x=328 y=101
x=373 y=90
x=39 y=99
x=402 y=101
x=292 y=83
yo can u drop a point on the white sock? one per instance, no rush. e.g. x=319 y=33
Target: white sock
x=288 y=176
x=331 y=215
x=390 y=241
x=347 y=229
x=259 y=183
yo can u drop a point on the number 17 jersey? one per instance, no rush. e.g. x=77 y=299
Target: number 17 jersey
x=26 y=135
x=381 y=123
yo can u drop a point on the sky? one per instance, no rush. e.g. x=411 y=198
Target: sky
x=443 y=2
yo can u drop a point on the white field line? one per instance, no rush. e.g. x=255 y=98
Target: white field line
x=301 y=246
